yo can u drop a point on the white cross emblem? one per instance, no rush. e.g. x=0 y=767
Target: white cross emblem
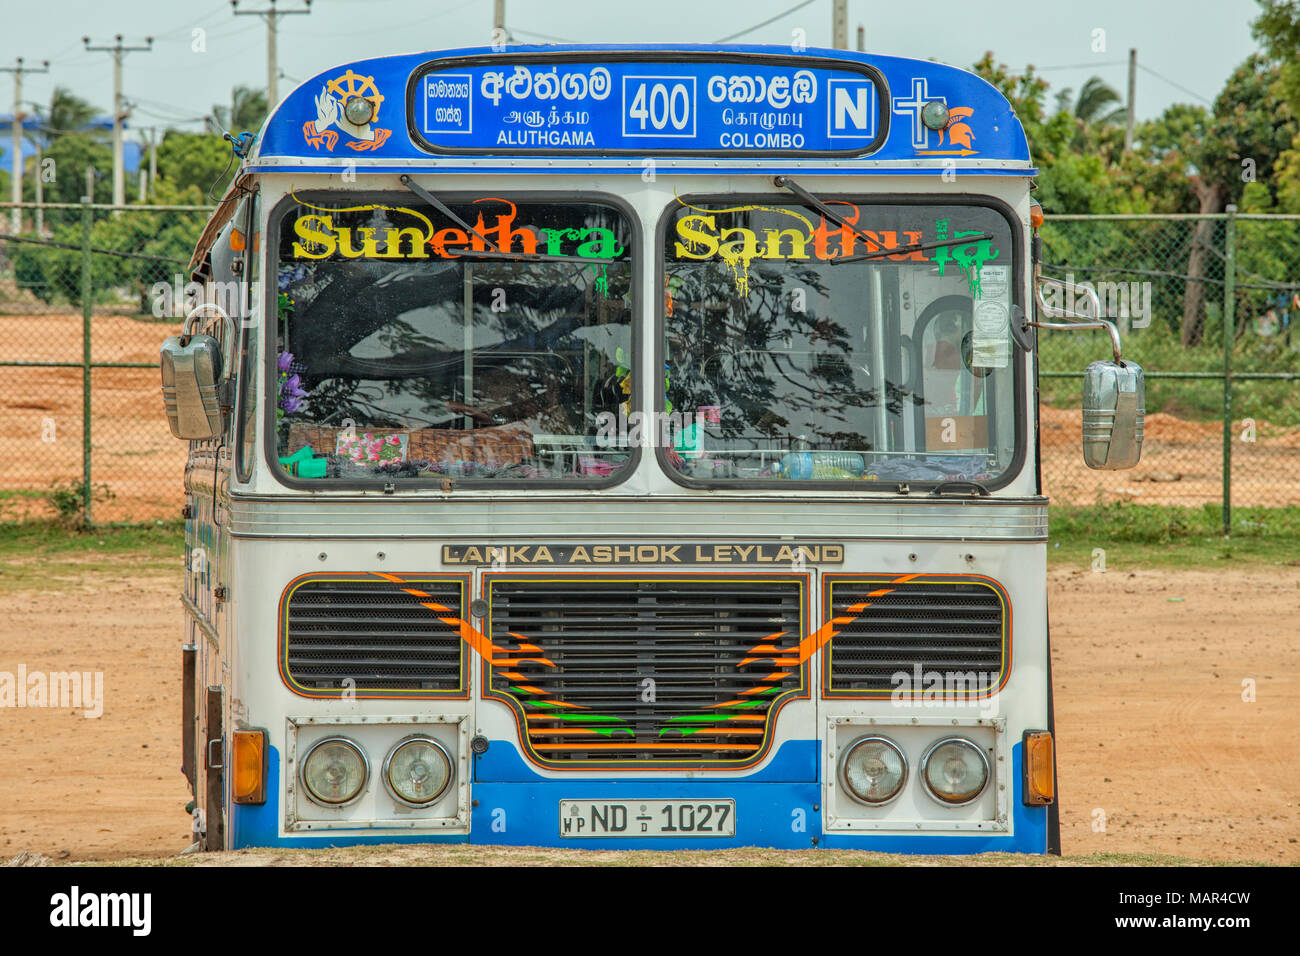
x=904 y=106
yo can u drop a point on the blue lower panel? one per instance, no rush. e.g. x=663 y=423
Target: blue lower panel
x=512 y=805
x=1030 y=824
x=260 y=826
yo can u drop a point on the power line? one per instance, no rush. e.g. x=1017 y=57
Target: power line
x=272 y=16
x=757 y=26
x=1179 y=86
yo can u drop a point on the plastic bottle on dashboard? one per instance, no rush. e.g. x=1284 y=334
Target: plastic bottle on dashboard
x=826 y=465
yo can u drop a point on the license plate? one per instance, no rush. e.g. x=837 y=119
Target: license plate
x=648 y=818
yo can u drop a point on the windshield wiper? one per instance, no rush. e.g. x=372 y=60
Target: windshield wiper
x=493 y=251
x=785 y=182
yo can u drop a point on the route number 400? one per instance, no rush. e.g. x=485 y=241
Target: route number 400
x=661 y=105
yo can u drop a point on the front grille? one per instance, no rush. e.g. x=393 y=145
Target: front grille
x=659 y=671
x=956 y=627
x=374 y=633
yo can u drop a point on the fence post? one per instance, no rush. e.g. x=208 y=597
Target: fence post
x=1229 y=301
x=87 y=287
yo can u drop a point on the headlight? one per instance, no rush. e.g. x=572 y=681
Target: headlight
x=358 y=110
x=873 y=770
x=417 y=771
x=955 y=771
x=334 y=772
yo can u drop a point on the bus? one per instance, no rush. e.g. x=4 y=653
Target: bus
x=625 y=446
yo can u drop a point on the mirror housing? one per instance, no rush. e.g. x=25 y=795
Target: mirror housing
x=191 y=382
x=1114 y=409
x=1114 y=393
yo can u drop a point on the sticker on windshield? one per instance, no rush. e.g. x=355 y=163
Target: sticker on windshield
x=991 y=345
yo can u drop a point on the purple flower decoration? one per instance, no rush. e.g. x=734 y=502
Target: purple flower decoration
x=288 y=388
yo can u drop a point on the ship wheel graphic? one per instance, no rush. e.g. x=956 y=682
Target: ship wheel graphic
x=354 y=84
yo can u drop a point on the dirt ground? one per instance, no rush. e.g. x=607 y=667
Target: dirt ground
x=132 y=451
x=1182 y=464
x=1159 y=753
x=134 y=455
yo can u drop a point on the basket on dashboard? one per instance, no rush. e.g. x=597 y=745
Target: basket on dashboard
x=493 y=447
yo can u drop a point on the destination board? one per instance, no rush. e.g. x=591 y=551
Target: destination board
x=722 y=106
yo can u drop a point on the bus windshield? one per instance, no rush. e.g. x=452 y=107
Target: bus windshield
x=782 y=364
x=399 y=355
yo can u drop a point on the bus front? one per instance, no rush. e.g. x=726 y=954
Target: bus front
x=634 y=447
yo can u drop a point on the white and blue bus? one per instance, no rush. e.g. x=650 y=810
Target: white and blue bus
x=624 y=446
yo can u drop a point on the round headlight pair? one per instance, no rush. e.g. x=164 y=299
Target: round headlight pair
x=416 y=772
x=874 y=769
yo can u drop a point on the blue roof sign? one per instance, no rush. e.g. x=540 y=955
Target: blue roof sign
x=647 y=104
x=762 y=104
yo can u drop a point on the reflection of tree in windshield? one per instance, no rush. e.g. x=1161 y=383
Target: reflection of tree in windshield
x=459 y=343
x=774 y=368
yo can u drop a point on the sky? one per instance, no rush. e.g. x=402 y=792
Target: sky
x=1185 y=51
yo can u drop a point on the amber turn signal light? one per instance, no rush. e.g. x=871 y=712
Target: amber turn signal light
x=248 y=783
x=1035 y=214
x=1040 y=768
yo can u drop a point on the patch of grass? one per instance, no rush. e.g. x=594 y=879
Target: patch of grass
x=46 y=554
x=1159 y=535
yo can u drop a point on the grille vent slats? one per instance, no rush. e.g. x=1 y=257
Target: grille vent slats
x=606 y=638
x=945 y=626
x=374 y=633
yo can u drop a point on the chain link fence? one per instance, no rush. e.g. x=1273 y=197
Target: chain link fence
x=1209 y=307
x=83 y=435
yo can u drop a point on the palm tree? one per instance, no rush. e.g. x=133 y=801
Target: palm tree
x=67 y=114
x=1097 y=103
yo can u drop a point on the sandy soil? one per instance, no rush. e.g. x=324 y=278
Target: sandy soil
x=1182 y=464
x=1152 y=728
x=133 y=452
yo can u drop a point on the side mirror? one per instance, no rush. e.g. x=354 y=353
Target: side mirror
x=1114 y=409
x=1114 y=393
x=191 y=382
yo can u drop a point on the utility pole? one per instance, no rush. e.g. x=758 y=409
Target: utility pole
x=153 y=155
x=271 y=15
x=39 y=177
x=498 y=18
x=16 y=181
x=119 y=112
x=1132 y=92
x=840 y=25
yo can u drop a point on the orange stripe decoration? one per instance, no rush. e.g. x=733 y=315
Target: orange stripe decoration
x=765 y=646
x=481 y=644
x=815 y=641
